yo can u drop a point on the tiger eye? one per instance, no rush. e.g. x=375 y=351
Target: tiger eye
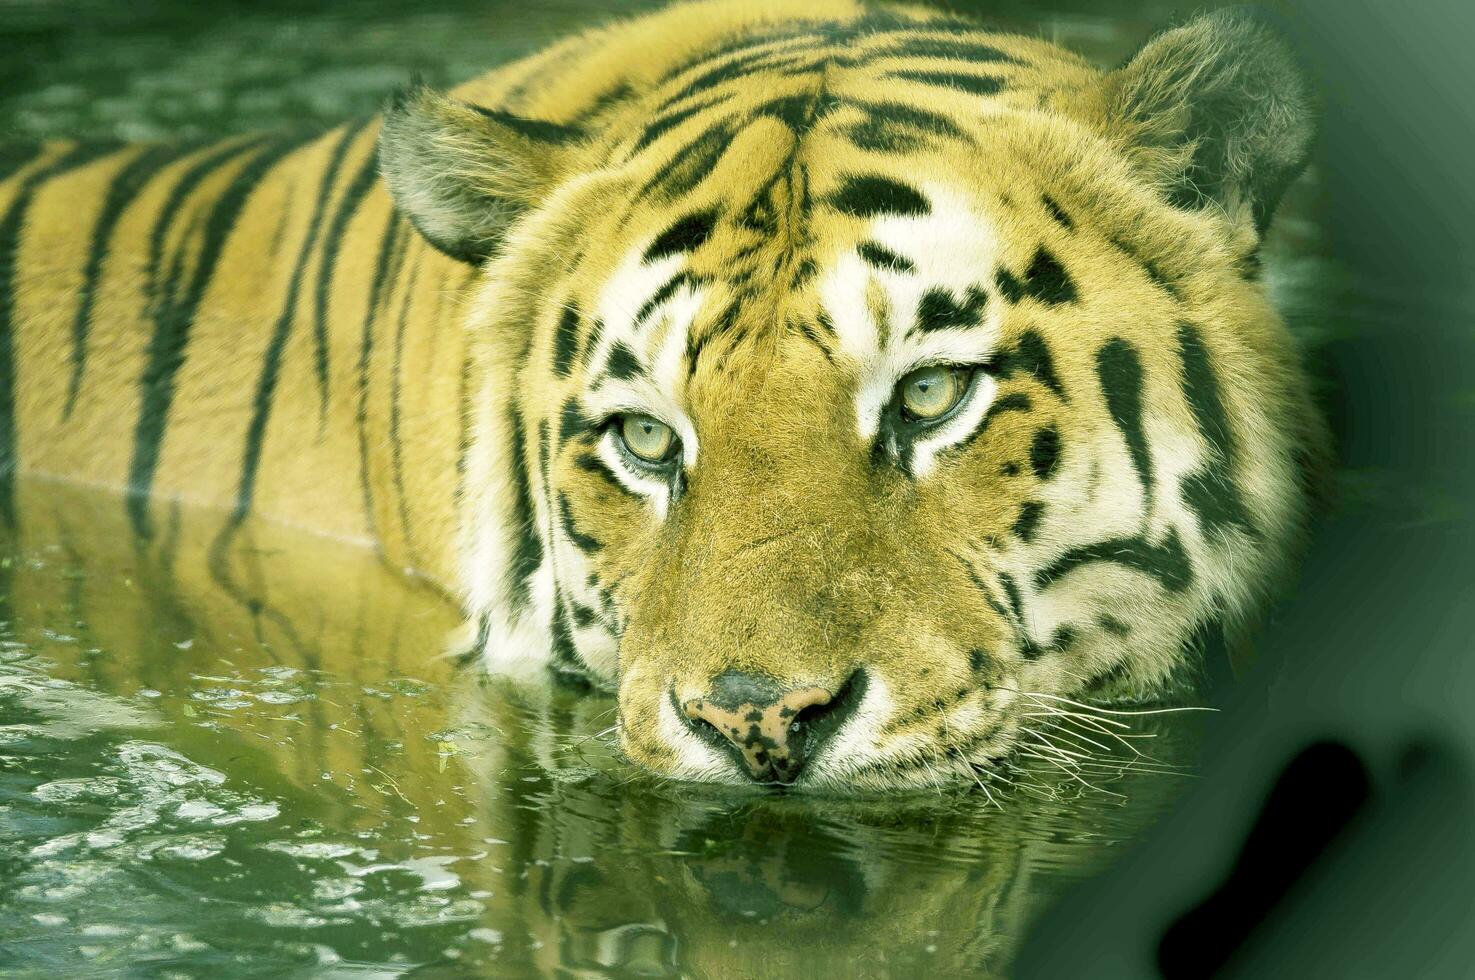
x=647 y=438
x=931 y=392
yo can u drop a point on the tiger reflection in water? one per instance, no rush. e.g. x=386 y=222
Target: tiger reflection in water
x=589 y=871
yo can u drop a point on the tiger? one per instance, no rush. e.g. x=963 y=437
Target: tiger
x=839 y=386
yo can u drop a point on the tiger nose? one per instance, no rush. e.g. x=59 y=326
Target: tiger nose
x=771 y=732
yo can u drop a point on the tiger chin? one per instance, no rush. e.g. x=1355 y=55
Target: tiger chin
x=843 y=387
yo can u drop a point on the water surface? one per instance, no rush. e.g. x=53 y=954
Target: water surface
x=256 y=760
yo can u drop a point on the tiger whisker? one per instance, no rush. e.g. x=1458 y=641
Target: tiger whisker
x=1126 y=713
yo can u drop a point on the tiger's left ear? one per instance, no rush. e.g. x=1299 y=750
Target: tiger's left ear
x=1218 y=111
x=461 y=173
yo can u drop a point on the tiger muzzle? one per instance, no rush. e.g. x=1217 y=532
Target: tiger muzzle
x=772 y=734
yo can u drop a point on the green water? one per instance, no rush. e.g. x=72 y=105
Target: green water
x=255 y=762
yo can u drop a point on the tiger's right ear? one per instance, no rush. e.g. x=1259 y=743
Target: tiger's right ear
x=461 y=173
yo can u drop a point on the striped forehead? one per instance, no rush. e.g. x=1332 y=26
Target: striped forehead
x=647 y=306
x=915 y=277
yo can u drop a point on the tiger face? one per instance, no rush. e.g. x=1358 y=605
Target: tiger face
x=852 y=391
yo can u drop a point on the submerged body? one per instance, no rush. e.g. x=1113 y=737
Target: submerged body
x=836 y=385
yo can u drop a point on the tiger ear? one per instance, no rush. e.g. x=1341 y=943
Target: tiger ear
x=461 y=173
x=1219 y=111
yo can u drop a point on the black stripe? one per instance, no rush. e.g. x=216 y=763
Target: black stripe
x=1028 y=520
x=11 y=226
x=1028 y=649
x=1166 y=562
x=527 y=553
x=982 y=587
x=590 y=463
x=1057 y=212
x=15 y=156
x=566 y=339
x=579 y=539
x=478 y=647
x=956 y=49
x=571 y=422
x=1016 y=401
x=180 y=192
x=382 y=285
x=900 y=113
x=1120 y=372
x=733 y=67
x=463 y=424
x=667 y=290
x=358 y=188
x=172 y=323
x=812 y=334
x=271 y=362
x=565 y=659
x=538 y=130
x=878 y=255
x=1211 y=490
x=396 y=384
x=622 y=363
x=938 y=309
x=689 y=165
x=1032 y=356
x=867 y=195
x=1044 y=452
x=973 y=84
x=126 y=185
x=1045 y=280
x=659 y=126
x=685 y=235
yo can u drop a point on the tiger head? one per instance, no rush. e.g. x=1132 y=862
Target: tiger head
x=846 y=392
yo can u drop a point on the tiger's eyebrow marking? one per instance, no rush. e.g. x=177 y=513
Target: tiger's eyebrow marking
x=623 y=364
x=881 y=257
x=940 y=310
x=686 y=234
x=667 y=290
x=1045 y=280
x=869 y=195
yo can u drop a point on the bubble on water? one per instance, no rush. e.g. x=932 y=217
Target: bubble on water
x=283 y=697
x=314 y=850
x=336 y=889
x=279 y=672
x=225 y=698
x=104 y=930
x=482 y=934
x=197 y=810
x=206 y=812
x=189 y=848
x=71 y=790
x=49 y=919
x=67 y=711
x=154 y=764
x=183 y=942
x=285 y=915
